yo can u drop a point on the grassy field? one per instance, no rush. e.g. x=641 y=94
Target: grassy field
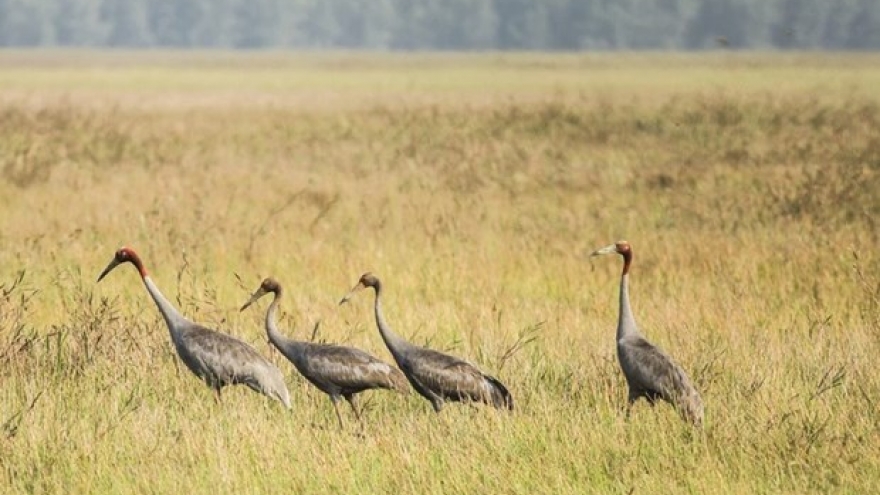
x=474 y=186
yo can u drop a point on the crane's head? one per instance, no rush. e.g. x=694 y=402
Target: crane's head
x=366 y=280
x=620 y=247
x=124 y=255
x=268 y=285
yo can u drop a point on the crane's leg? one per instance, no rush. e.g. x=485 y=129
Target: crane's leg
x=630 y=400
x=352 y=401
x=335 y=400
x=217 y=397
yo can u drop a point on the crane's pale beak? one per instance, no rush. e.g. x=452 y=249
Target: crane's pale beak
x=113 y=264
x=605 y=250
x=352 y=292
x=256 y=295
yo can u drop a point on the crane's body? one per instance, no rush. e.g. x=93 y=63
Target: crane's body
x=649 y=372
x=217 y=358
x=338 y=371
x=436 y=376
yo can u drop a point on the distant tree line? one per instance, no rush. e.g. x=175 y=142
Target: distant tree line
x=444 y=24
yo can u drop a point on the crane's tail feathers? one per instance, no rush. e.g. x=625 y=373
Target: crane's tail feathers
x=695 y=412
x=691 y=408
x=399 y=383
x=501 y=397
x=285 y=399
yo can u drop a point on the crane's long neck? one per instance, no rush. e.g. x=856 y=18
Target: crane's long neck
x=172 y=317
x=626 y=323
x=283 y=344
x=395 y=343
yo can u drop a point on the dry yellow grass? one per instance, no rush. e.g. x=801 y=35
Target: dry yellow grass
x=474 y=186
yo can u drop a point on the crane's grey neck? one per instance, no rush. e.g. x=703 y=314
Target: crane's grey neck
x=172 y=317
x=292 y=349
x=626 y=323
x=395 y=343
x=283 y=344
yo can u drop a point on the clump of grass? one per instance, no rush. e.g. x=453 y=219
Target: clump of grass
x=15 y=304
x=839 y=191
x=869 y=283
x=40 y=142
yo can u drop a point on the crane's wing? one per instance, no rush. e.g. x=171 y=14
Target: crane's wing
x=223 y=358
x=455 y=379
x=649 y=369
x=351 y=368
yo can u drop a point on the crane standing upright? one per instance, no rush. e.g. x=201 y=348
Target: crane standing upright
x=649 y=372
x=215 y=357
x=336 y=370
x=436 y=376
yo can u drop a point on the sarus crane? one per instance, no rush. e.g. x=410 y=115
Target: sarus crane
x=214 y=357
x=436 y=376
x=649 y=372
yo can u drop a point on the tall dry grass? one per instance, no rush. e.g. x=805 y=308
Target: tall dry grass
x=474 y=187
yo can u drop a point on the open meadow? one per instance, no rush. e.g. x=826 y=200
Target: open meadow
x=475 y=186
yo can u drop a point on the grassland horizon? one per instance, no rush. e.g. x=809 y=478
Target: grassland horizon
x=475 y=186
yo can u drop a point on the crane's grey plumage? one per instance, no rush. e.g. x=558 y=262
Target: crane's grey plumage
x=649 y=372
x=338 y=371
x=216 y=358
x=436 y=376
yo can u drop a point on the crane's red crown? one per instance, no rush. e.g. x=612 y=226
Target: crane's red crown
x=125 y=253
x=620 y=247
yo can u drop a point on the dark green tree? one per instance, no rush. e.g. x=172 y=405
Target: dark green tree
x=717 y=23
x=256 y=23
x=864 y=27
x=78 y=23
x=26 y=23
x=522 y=25
x=128 y=24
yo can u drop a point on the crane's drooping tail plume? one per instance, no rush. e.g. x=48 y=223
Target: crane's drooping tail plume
x=649 y=372
x=501 y=397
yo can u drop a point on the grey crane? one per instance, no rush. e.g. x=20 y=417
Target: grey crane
x=436 y=376
x=214 y=357
x=338 y=371
x=649 y=372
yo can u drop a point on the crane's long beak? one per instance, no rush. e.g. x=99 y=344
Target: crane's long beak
x=113 y=264
x=605 y=250
x=351 y=293
x=256 y=295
